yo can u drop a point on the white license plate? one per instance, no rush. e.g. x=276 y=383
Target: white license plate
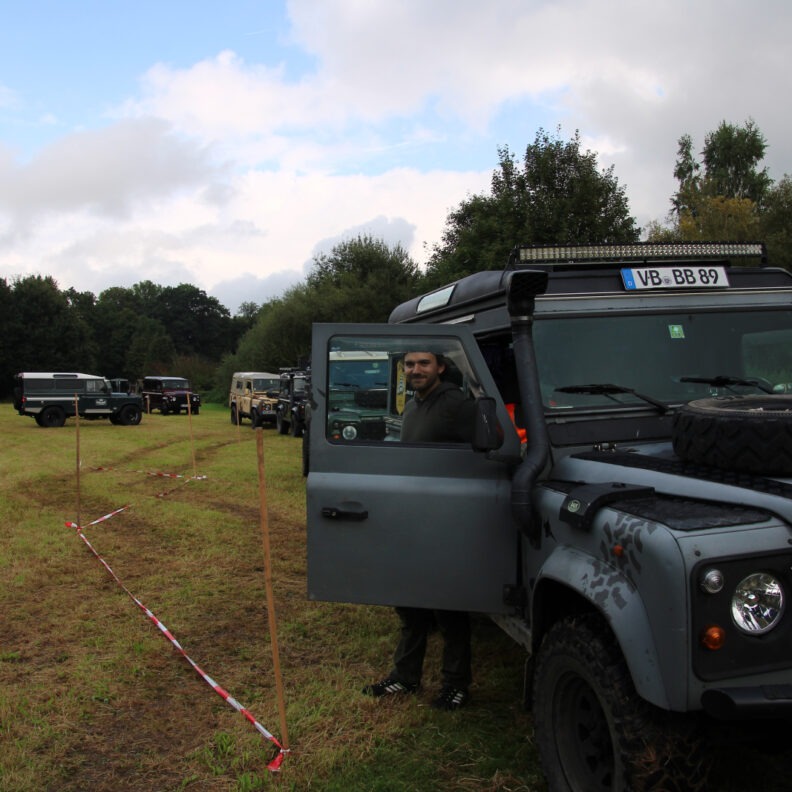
x=674 y=277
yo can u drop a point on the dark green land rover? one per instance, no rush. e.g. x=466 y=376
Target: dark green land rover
x=52 y=397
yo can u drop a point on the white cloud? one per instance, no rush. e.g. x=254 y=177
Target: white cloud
x=109 y=171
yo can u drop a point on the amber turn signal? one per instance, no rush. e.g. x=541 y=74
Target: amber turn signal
x=713 y=637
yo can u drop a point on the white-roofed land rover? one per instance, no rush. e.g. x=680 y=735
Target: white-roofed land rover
x=638 y=542
x=52 y=397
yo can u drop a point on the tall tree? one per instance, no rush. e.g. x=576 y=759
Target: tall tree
x=556 y=195
x=722 y=196
x=731 y=162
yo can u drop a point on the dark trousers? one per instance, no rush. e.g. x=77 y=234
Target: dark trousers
x=417 y=623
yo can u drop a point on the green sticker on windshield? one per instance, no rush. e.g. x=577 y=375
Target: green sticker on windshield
x=676 y=331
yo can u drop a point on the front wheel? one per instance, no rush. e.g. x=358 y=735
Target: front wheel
x=282 y=426
x=593 y=731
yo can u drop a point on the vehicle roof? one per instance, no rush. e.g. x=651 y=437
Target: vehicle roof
x=160 y=377
x=256 y=374
x=579 y=278
x=58 y=375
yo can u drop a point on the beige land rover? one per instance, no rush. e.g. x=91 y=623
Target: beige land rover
x=253 y=395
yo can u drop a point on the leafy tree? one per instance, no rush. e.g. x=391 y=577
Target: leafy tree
x=776 y=223
x=731 y=161
x=556 y=195
x=722 y=196
x=197 y=323
x=44 y=332
x=151 y=350
x=720 y=218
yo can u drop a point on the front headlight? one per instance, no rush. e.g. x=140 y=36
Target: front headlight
x=757 y=603
x=349 y=432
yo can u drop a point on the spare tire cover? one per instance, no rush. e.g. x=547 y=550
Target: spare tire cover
x=751 y=434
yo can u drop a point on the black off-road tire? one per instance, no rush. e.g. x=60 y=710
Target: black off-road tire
x=283 y=427
x=130 y=415
x=593 y=731
x=52 y=418
x=164 y=409
x=233 y=415
x=295 y=427
x=196 y=411
x=749 y=434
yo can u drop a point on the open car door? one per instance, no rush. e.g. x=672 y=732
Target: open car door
x=396 y=523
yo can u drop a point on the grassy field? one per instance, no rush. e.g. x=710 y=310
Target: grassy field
x=94 y=698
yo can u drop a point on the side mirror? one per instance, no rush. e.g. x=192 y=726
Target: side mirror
x=487 y=435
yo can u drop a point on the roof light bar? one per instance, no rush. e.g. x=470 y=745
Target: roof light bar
x=640 y=251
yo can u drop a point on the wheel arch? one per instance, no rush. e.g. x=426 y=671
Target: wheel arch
x=563 y=588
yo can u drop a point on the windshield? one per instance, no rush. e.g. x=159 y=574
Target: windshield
x=654 y=354
x=176 y=383
x=260 y=384
x=359 y=374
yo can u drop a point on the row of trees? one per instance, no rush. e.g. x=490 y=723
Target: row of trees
x=125 y=332
x=555 y=194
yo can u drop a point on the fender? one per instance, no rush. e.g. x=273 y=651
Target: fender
x=612 y=594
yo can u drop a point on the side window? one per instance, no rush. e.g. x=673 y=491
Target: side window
x=70 y=385
x=400 y=389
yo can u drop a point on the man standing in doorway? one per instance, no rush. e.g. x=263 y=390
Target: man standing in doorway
x=439 y=412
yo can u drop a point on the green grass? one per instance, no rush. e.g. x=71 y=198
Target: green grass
x=93 y=697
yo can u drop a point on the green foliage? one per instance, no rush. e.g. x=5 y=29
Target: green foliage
x=726 y=196
x=776 y=223
x=556 y=195
x=731 y=159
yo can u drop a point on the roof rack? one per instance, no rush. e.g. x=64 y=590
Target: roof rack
x=636 y=251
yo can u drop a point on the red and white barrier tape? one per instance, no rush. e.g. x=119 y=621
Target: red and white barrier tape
x=150 y=473
x=276 y=762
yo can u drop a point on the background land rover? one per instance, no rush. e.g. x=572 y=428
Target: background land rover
x=290 y=417
x=254 y=395
x=638 y=544
x=169 y=395
x=49 y=397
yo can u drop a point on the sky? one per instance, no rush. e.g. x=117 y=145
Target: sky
x=227 y=144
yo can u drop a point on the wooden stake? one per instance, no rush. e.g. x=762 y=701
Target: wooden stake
x=268 y=587
x=239 y=434
x=148 y=416
x=192 y=442
x=77 y=419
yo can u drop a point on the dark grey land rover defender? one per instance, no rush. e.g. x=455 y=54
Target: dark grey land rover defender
x=638 y=543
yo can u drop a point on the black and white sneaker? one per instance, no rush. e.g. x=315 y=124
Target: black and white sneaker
x=451 y=698
x=388 y=687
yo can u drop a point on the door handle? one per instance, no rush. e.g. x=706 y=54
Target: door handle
x=333 y=513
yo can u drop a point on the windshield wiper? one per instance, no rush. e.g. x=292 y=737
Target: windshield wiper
x=604 y=389
x=722 y=381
